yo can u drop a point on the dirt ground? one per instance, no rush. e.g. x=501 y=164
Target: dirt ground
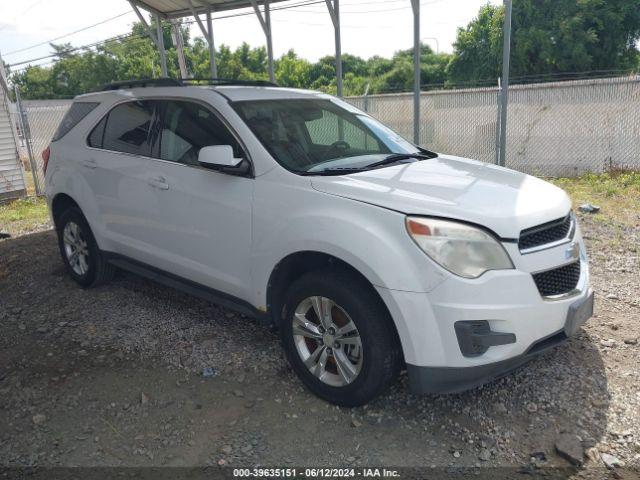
x=136 y=374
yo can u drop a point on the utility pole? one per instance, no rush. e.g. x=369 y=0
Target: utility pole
x=504 y=97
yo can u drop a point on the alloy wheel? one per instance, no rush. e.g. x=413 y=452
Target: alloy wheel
x=75 y=248
x=327 y=341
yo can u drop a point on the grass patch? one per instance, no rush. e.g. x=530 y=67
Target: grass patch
x=617 y=193
x=25 y=214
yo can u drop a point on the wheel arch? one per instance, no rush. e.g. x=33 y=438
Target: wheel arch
x=59 y=204
x=297 y=264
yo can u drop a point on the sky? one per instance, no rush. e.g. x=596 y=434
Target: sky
x=369 y=27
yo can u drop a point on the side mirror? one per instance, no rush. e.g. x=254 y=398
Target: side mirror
x=218 y=157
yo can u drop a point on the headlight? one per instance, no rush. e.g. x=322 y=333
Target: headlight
x=464 y=250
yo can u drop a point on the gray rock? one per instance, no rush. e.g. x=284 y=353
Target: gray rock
x=610 y=343
x=569 y=447
x=610 y=461
x=500 y=407
x=39 y=419
x=485 y=455
x=589 y=208
x=631 y=341
x=532 y=407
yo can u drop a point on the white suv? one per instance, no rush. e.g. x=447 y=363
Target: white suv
x=369 y=254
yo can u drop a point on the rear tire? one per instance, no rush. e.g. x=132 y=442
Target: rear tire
x=80 y=253
x=353 y=355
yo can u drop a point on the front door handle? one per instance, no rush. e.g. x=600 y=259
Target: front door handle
x=91 y=163
x=159 y=182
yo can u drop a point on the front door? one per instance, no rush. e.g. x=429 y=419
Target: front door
x=203 y=217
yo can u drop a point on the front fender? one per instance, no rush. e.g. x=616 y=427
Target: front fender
x=371 y=239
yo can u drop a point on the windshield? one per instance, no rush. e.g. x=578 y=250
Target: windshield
x=312 y=135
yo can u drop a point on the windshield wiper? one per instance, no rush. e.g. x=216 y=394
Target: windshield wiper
x=397 y=157
x=338 y=171
x=392 y=158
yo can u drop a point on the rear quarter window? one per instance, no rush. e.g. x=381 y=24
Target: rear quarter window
x=74 y=115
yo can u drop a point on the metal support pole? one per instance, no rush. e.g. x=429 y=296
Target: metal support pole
x=212 y=49
x=498 y=95
x=177 y=40
x=416 y=71
x=26 y=134
x=265 y=22
x=163 y=54
x=156 y=36
x=334 y=12
x=504 y=98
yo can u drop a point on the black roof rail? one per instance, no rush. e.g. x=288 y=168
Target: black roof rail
x=144 y=82
x=227 y=81
x=172 y=82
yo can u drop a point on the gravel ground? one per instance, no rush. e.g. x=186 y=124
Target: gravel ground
x=114 y=377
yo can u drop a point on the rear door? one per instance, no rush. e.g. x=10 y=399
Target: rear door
x=117 y=170
x=202 y=219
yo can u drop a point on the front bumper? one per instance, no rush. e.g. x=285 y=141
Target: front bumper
x=508 y=301
x=438 y=380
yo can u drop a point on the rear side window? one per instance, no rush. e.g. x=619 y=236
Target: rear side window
x=76 y=112
x=127 y=129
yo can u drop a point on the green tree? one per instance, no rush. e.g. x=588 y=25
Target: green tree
x=292 y=71
x=549 y=37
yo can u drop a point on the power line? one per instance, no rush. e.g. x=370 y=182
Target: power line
x=67 y=34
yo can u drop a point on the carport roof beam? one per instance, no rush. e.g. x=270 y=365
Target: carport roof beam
x=156 y=37
x=183 y=8
x=208 y=35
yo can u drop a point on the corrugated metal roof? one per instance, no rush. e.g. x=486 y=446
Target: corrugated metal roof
x=182 y=8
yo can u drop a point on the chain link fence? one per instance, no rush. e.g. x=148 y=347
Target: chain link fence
x=553 y=129
x=558 y=129
x=38 y=121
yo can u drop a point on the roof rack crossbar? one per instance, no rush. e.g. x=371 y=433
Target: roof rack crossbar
x=172 y=82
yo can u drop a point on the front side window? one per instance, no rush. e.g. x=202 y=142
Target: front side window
x=128 y=128
x=187 y=127
x=308 y=135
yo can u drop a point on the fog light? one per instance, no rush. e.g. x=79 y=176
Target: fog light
x=475 y=337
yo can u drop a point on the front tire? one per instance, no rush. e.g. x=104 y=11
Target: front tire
x=80 y=253
x=339 y=337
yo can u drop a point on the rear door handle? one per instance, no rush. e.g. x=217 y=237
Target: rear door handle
x=159 y=182
x=91 y=163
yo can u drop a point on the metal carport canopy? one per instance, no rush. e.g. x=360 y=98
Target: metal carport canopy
x=174 y=9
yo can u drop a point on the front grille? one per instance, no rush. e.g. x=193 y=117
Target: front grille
x=558 y=280
x=546 y=233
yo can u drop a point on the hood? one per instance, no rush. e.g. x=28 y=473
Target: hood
x=503 y=200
